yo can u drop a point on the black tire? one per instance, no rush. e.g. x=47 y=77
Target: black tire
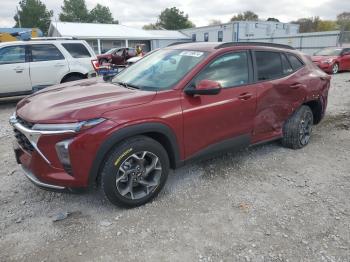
x=123 y=154
x=72 y=78
x=298 y=128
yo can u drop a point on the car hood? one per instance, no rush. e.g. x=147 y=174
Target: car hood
x=80 y=100
x=322 y=58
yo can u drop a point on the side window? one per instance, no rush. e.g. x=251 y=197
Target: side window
x=220 y=36
x=12 y=55
x=295 y=62
x=269 y=65
x=45 y=53
x=206 y=37
x=287 y=68
x=120 y=52
x=229 y=70
x=77 y=50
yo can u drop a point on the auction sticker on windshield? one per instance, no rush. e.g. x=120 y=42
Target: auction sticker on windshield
x=191 y=53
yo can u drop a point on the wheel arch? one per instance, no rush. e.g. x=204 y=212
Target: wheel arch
x=157 y=131
x=84 y=76
x=316 y=107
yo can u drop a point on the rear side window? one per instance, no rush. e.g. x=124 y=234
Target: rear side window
x=45 y=53
x=77 y=50
x=269 y=65
x=287 y=68
x=295 y=62
x=229 y=70
x=12 y=55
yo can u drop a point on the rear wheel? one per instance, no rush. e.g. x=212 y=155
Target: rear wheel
x=335 y=68
x=135 y=172
x=297 y=130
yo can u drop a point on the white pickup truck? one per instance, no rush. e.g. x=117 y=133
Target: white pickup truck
x=28 y=66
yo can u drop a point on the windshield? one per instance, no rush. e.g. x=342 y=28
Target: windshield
x=160 y=70
x=111 y=51
x=329 y=52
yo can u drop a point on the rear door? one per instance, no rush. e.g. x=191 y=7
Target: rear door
x=225 y=119
x=47 y=65
x=14 y=71
x=282 y=79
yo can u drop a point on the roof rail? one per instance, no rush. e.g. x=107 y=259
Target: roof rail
x=254 y=44
x=51 y=38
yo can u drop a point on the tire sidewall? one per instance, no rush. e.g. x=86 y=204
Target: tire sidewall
x=117 y=156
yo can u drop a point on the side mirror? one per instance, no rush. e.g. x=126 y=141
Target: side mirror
x=204 y=87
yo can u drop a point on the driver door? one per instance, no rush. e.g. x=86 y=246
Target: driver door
x=224 y=120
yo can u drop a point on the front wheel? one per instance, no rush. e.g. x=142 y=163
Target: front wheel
x=297 y=130
x=135 y=172
x=335 y=69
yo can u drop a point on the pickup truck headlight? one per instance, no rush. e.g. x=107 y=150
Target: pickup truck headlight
x=75 y=127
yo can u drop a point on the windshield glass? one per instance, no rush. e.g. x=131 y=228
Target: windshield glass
x=111 y=51
x=160 y=70
x=329 y=52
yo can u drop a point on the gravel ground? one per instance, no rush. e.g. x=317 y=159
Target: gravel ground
x=266 y=203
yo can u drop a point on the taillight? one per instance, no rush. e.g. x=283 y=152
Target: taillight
x=95 y=64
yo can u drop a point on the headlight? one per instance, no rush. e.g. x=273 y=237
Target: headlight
x=328 y=61
x=76 y=127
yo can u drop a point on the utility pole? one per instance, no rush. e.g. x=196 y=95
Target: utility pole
x=19 y=17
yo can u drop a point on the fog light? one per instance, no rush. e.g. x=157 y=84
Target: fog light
x=62 y=149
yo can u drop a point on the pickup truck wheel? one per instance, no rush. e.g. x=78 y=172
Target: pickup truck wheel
x=134 y=172
x=297 y=130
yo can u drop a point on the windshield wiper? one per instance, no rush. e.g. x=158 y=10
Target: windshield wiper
x=127 y=85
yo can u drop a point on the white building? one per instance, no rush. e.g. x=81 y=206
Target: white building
x=103 y=37
x=240 y=31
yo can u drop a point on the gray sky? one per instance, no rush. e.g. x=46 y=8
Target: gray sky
x=139 y=12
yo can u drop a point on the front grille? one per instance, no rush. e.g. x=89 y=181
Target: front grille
x=25 y=123
x=23 y=141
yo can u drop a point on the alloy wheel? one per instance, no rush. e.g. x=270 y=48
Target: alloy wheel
x=139 y=175
x=305 y=130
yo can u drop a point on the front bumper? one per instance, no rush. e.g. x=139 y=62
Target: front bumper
x=38 y=183
x=36 y=152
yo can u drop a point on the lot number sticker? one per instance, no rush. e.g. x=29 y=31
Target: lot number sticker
x=191 y=53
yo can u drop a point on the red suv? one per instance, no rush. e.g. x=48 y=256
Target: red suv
x=178 y=104
x=333 y=59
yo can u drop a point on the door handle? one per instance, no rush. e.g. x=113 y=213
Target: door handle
x=59 y=65
x=19 y=69
x=296 y=86
x=245 y=96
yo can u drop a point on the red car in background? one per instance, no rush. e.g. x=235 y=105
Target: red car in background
x=332 y=59
x=117 y=56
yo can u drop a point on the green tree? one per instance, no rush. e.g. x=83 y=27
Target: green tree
x=151 y=27
x=174 y=19
x=215 y=22
x=272 y=19
x=307 y=25
x=245 y=16
x=327 y=25
x=102 y=14
x=74 y=11
x=343 y=20
x=33 y=13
